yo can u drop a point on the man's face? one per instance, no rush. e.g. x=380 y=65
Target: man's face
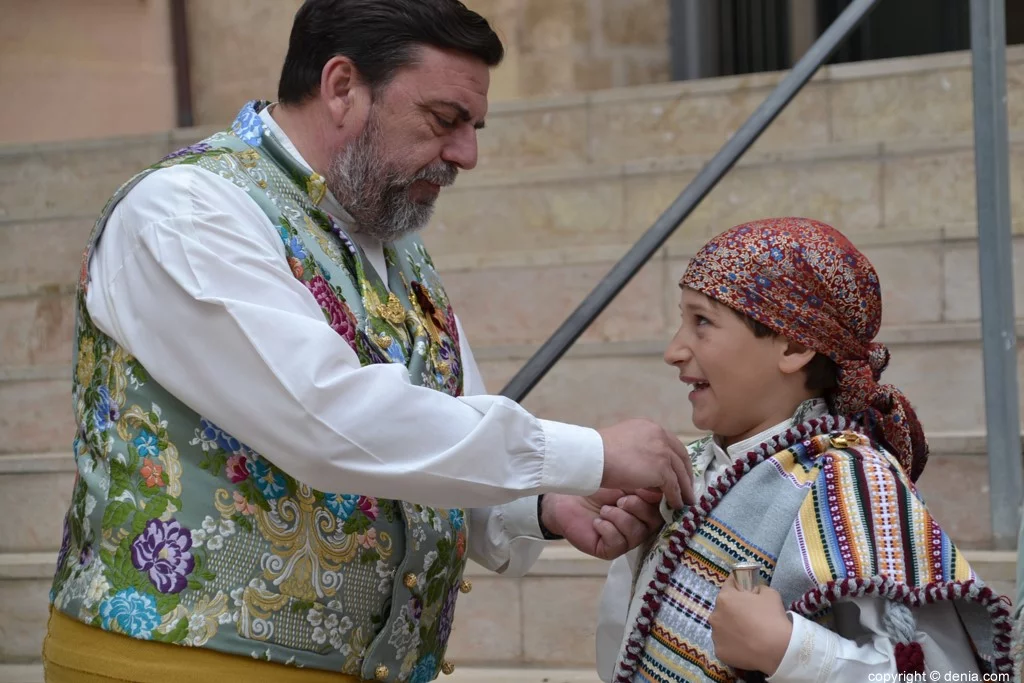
x=421 y=129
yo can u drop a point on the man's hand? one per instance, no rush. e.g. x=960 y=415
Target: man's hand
x=605 y=525
x=639 y=454
x=750 y=629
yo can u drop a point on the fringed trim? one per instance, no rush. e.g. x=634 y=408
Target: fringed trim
x=696 y=514
x=816 y=602
x=900 y=624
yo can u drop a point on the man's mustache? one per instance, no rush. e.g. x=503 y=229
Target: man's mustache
x=441 y=173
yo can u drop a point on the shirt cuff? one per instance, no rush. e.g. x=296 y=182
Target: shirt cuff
x=810 y=656
x=573 y=459
x=520 y=519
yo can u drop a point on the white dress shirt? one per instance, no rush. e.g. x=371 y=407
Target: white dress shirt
x=190 y=277
x=860 y=648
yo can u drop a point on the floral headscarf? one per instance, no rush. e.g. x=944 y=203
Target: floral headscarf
x=807 y=282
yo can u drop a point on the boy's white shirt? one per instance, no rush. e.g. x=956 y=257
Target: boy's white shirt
x=859 y=650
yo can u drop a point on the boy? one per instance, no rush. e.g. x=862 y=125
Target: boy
x=808 y=473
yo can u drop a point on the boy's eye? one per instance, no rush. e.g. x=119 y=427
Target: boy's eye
x=444 y=123
x=701 y=320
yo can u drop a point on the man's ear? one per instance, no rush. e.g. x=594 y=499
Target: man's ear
x=794 y=357
x=343 y=92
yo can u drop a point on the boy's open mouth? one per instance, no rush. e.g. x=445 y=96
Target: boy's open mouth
x=698 y=385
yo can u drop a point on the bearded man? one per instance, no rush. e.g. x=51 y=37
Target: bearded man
x=285 y=451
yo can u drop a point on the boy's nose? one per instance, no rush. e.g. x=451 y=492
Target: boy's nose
x=677 y=353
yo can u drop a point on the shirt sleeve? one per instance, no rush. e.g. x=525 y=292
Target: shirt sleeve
x=190 y=277
x=504 y=538
x=613 y=612
x=860 y=649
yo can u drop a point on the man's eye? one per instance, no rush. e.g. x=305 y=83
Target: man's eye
x=444 y=123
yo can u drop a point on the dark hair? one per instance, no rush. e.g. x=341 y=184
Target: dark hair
x=380 y=37
x=822 y=372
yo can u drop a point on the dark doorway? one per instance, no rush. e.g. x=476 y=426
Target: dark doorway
x=905 y=28
x=725 y=37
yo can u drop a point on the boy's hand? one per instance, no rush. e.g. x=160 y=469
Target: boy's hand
x=606 y=524
x=750 y=629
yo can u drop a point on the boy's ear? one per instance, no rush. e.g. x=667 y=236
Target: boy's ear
x=795 y=356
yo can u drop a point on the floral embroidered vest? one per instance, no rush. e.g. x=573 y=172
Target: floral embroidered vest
x=180 y=533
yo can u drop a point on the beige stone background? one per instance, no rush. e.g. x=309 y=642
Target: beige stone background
x=71 y=69
x=570 y=175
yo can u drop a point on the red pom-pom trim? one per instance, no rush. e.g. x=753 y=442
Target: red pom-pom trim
x=909 y=658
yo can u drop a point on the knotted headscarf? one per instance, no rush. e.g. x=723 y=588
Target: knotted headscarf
x=807 y=282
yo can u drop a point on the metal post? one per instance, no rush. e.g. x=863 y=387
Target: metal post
x=182 y=68
x=694 y=31
x=995 y=255
x=641 y=252
x=803 y=27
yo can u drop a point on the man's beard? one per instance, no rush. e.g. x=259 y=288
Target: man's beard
x=376 y=193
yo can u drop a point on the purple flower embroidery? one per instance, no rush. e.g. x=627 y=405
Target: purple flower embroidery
x=197 y=148
x=162 y=551
x=415 y=609
x=107 y=412
x=65 y=543
x=447 y=616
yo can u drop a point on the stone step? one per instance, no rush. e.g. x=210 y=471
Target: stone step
x=896 y=99
x=545 y=619
x=928 y=277
x=21 y=673
x=24 y=604
x=884 y=101
x=33 y=673
x=35 y=491
x=35 y=488
x=939 y=366
x=861 y=188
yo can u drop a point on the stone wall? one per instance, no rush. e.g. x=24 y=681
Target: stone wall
x=71 y=69
x=554 y=47
x=105 y=68
x=557 y=47
x=237 y=48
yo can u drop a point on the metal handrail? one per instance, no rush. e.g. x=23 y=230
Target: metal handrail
x=641 y=252
x=995 y=268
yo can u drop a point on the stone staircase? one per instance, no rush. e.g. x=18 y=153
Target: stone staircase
x=881 y=150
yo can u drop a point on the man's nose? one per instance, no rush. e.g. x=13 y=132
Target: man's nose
x=461 y=148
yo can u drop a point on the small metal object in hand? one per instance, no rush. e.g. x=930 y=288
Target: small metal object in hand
x=748 y=575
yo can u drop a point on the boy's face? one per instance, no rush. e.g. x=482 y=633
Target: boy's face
x=736 y=377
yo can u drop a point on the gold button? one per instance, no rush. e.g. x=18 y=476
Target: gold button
x=466 y=586
x=381 y=673
x=447 y=668
x=409 y=580
x=840 y=441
